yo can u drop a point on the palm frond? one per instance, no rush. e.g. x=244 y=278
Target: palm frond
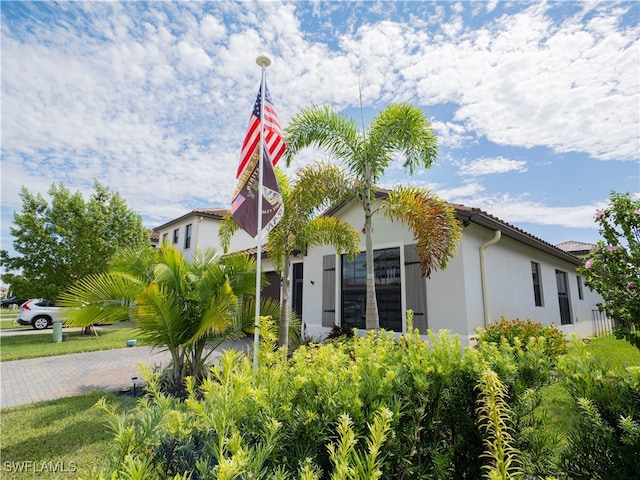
x=159 y=316
x=228 y=227
x=403 y=128
x=317 y=187
x=432 y=221
x=104 y=298
x=333 y=231
x=240 y=271
x=322 y=127
x=268 y=308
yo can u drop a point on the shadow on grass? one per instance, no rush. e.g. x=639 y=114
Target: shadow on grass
x=48 y=430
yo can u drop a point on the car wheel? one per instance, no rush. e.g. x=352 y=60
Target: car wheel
x=40 y=323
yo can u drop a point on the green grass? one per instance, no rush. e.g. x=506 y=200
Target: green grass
x=615 y=354
x=68 y=433
x=34 y=345
x=7 y=316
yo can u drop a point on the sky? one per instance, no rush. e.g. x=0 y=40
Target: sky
x=536 y=105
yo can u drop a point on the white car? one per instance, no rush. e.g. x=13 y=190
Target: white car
x=40 y=313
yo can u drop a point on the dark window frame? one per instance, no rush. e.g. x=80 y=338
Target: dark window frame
x=580 y=287
x=536 y=277
x=176 y=235
x=187 y=236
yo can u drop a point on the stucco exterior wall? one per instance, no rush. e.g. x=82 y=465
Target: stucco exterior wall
x=455 y=295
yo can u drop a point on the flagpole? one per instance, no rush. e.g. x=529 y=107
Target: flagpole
x=263 y=62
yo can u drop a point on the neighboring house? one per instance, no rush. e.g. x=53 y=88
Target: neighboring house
x=498 y=271
x=198 y=229
x=579 y=249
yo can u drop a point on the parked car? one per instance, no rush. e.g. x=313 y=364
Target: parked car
x=10 y=302
x=40 y=313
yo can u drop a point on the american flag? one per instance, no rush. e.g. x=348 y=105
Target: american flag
x=274 y=145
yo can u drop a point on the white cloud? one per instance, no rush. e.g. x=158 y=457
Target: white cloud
x=487 y=166
x=152 y=99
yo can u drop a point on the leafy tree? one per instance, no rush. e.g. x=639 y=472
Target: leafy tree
x=185 y=308
x=400 y=128
x=316 y=186
x=613 y=268
x=66 y=239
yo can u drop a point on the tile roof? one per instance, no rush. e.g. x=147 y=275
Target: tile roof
x=575 y=247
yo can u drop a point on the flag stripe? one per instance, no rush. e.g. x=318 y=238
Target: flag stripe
x=244 y=205
x=274 y=139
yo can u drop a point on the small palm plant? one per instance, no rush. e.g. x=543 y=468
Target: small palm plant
x=185 y=308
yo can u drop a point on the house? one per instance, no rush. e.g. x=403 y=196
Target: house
x=498 y=271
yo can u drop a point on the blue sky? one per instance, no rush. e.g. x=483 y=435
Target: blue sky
x=535 y=104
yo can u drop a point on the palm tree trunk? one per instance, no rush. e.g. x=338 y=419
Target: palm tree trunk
x=283 y=337
x=371 y=315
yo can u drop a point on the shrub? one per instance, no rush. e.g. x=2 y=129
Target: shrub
x=604 y=438
x=374 y=406
x=554 y=341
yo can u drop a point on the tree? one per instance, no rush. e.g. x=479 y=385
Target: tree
x=613 y=268
x=185 y=308
x=400 y=128
x=67 y=239
x=316 y=187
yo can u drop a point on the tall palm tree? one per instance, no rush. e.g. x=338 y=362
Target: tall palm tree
x=315 y=187
x=399 y=129
x=185 y=308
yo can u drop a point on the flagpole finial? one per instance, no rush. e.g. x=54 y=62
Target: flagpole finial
x=263 y=61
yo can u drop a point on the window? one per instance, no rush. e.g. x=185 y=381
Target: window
x=165 y=236
x=563 y=297
x=296 y=291
x=537 y=284
x=176 y=235
x=187 y=237
x=388 y=289
x=580 y=294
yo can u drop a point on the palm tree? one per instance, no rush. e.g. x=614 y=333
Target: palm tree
x=400 y=128
x=185 y=308
x=316 y=187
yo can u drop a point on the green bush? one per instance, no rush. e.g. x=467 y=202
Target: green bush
x=604 y=438
x=553 y=340
x=384 y=407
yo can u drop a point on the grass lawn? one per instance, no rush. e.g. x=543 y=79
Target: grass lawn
x=68 y=435
x=34 y=345
x=615 y=354
x=7 y=316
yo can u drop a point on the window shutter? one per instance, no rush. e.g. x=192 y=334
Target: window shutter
x=328 y=290
x=416 y=288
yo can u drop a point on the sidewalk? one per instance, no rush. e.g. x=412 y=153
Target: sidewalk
x=48 y=378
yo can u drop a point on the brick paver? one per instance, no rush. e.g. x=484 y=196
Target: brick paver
x=48 y=378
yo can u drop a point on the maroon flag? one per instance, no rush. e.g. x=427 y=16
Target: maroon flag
x=244 y=207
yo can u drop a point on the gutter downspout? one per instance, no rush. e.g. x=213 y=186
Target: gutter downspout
x=483 y=275
x=200 y=218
